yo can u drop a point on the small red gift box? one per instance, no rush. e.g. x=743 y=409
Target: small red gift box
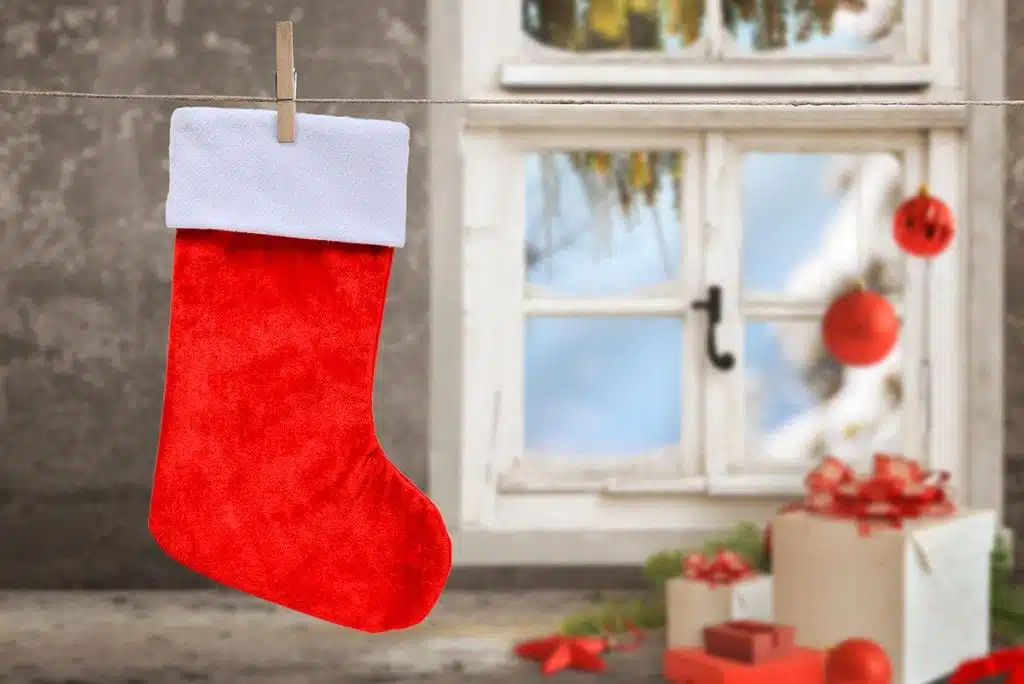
x=749 y=641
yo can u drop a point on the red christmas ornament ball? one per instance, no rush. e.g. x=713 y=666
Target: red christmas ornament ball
x=923 y=225
x=860 y=328
x=857 y=661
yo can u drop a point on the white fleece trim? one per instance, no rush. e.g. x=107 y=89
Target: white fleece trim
x=343 y=179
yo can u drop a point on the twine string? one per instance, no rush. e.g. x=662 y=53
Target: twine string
x=601 y=101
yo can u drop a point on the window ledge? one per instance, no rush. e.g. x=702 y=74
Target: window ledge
x=750 y=485
x=665 y=74
x=553 y=119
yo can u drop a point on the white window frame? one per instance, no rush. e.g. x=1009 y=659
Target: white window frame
x=734 y=473
x=515 y=470
x=501 y=58
x=496 y=520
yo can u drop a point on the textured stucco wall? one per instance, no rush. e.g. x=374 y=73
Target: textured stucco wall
x=85 y=257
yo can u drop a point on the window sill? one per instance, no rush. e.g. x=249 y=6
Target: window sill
x=664 y=74
x=768 y=485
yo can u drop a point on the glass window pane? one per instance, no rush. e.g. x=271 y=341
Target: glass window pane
x=603 y=223
x=813 y=222
x=603 y=386
x=668 y=26
x=814 y=27
x=801 y=404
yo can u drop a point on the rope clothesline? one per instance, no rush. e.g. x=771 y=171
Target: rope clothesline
x=604 y=101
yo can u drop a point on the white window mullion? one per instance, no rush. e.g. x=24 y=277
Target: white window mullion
x=507 y=424
x=913 y=28
x=724 y=448
x=618 y=306
x=915 y=418
x=695 y=225
x=945 y=40
x=491 y=35
x=488 y=424
x=716 y=34
x=946 y=336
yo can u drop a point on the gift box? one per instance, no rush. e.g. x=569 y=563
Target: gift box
x=888 y=558
x=749 y=641
x=696 y=666
x=713 y=590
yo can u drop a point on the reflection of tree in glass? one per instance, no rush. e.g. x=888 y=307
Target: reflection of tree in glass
x=646 y=25
x=592 y=25
x=619 y=181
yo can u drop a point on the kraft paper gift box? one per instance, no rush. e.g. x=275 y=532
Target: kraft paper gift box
x=691 y=605
x=921 y=591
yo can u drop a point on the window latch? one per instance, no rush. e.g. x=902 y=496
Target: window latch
x=723 y=361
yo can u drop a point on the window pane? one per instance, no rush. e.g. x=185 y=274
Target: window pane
x=603 y=25
x=603 y=386
x=814 y=27
x=813 y=222
x=801 y=404
x=602 y=223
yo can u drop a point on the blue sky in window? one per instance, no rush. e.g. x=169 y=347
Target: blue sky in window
x=612 y=385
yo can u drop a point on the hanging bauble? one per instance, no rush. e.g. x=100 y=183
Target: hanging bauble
x=923 y=225
x=860 y=328
x=857 y=661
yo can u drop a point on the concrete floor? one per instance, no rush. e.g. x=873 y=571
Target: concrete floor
x=215 y=638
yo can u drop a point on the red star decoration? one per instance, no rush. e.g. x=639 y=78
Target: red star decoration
x=559 y=652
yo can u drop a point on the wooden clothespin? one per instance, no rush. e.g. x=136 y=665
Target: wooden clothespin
x=286 y=80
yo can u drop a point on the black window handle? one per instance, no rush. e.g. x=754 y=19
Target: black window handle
x=713 y=306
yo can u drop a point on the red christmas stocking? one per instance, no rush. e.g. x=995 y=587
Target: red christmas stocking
x=269 y=477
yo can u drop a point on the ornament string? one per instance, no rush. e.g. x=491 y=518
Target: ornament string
x=602 y=101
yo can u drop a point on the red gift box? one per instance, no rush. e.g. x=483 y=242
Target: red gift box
x=749 y=641
x=695 y=666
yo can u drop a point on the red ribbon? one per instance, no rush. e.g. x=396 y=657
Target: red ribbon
x=898 y=489
x=725 y=567
x=1006 y=661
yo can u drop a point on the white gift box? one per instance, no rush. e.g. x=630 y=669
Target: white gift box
x=921 y=592
x=692 y=605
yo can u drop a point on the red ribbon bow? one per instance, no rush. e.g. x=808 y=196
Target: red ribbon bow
x=898 y=489
x=725 y=567
x=1006 y=661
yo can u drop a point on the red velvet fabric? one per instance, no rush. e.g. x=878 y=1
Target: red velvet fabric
x=269 y=477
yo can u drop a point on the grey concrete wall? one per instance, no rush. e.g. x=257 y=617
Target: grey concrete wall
x=85 y=258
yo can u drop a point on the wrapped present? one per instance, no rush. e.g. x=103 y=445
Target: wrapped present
x=749 y=641
x=712 y=590
x=886 y=557
x=697 y=666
